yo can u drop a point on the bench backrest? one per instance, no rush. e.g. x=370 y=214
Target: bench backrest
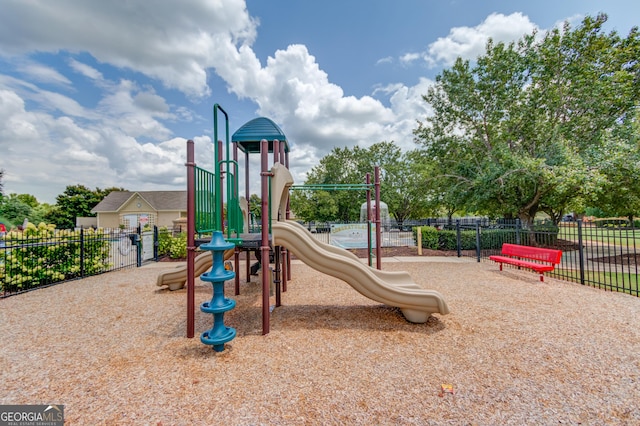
x=534 y=253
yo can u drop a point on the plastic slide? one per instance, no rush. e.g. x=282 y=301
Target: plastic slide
x=177 y=278
x=391 y=288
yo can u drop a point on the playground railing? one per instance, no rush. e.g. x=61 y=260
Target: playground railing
x=43 y=257
x=597 y=254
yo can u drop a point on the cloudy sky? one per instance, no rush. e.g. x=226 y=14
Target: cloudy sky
x=105 y=93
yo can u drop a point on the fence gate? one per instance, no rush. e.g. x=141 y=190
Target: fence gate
x=124 y=249
x=148 y=244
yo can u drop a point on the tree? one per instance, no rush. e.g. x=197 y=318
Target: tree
x=14 y=210
x=17 y=207
x=341 y=166
x=255 y=206
x=618 y=194
x=27 y=199
x=76 y=201
x=401 y=184
x=524 y=129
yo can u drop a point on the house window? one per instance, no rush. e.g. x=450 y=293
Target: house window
x=141 y=219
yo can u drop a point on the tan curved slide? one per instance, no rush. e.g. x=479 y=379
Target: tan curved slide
x=391 y=288
x=177 y=278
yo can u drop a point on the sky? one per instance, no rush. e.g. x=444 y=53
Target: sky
x=106 y=93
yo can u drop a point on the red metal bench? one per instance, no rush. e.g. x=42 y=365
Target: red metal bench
x=539 y=259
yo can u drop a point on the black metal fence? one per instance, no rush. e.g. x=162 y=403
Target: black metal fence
x=392 y=235
x=603 y=255
x=42 y=256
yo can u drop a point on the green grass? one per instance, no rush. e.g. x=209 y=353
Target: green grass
x=618 y=281
x=622 y=237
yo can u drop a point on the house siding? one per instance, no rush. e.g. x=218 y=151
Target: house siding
x=135 y=206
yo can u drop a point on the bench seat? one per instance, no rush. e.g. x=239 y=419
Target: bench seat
x=545 y=260
x=538 y=267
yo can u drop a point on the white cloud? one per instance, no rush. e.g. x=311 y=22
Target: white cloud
x=124 y=140
x=43 y=74
x=85 y=70
x=408 y=58
x=385 y=60
x=173 y=42
x=470 y=42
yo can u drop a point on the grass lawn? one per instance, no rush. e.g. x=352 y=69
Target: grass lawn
x=622 y=237
x=615 y=281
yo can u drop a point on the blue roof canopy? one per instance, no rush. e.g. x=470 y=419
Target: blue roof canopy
x=248 y=136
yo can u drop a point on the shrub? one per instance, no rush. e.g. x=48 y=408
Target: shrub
x=41 y=255
x=174 y=247
x=429 y=237
x=492 y=239
x=611 y=222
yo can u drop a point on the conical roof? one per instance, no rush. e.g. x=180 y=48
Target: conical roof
x=251 y=133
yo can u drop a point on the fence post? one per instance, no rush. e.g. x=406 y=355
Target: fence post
x=478 y=240
x=580 y=252
x=156 y=242
x=518 y=227
x=419 y=238
x=81 y=252
x=139 y=247
x=458 y=243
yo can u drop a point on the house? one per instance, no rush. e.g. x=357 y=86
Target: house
x=130 y=209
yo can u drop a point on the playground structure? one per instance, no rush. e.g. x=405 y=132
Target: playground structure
x=177 y=279
x=278 y=237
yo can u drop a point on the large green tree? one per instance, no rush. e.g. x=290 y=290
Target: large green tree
x=526 y=128
x=14 y=210
x=76 y=201
x=17 y=207
x=619 y=194
x=341 y=166
x=400 y=184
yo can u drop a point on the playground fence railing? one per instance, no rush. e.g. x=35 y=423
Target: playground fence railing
x=41 y=258
x=601 y=254
x=598 y=254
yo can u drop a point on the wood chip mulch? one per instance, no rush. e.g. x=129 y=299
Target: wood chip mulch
x=513 y=351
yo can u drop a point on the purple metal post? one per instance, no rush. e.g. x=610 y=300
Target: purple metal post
x=276 y=250
x=191 y=231
x=246 y=191
x=368 y=181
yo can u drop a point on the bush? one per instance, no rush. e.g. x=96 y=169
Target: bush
x=429 y=237
x=611 y=222
x=492 y=239
x=43 y=255
x=434 y=239
x=543 y=233
x=174 y=247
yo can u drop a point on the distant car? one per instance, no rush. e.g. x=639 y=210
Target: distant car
x=569 y=218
